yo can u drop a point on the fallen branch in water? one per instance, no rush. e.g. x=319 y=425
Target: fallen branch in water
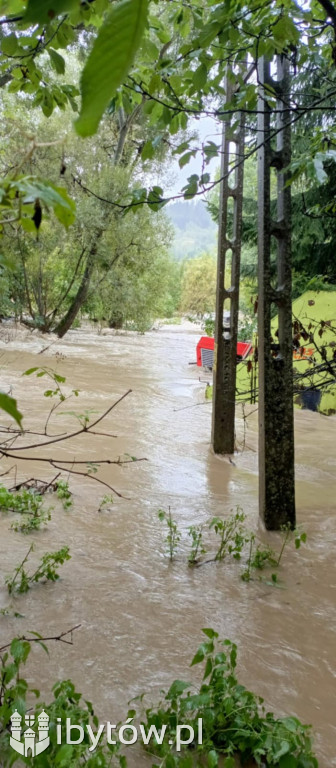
x=40 y=486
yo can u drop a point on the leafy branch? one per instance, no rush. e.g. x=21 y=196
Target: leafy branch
x=21 y=581
x=63 y=637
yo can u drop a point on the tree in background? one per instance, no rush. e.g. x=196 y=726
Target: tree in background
x=198 y=293
x=148 y=60
x=168 y=61
x=134 y=295
x=50 y=272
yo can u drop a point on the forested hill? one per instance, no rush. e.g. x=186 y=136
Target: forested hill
x=195 y=231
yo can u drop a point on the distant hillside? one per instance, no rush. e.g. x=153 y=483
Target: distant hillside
x=195 y=231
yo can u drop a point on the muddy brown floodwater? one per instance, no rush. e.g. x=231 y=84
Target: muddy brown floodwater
x=140 y=616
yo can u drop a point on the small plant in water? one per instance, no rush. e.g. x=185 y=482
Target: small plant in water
x=63 y=492
x=197 y=546
x=33 y=521
x=106 y=501
x=236 y=729
x=232 y=535
x=259 y=557
x=65 y=702
x=173 y=536
x=27 y=504
x=21 y=581
x=300 y=537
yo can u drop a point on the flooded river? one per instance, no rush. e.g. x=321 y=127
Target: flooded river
x=140 y=616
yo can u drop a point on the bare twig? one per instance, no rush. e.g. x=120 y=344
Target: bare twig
x=58 y=638
x=96 y=479
x=85 y=428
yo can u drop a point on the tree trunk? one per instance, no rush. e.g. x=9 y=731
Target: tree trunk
x=66 y=322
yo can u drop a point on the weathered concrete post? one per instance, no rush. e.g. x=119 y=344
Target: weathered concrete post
x=224 y=372
x=276 y=420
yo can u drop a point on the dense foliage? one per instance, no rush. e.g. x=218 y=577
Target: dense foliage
x=234 y=721
x=102 y=262
x=166 y=60
x=144 y=70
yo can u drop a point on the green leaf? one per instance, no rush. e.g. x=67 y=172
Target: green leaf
x=41 y=11
x=65 y=210
x=20 y=650
x=190 y=190
x=171 y=761
x=184 y=160
x=151 y=50
x=208 y=668
x=199 y=656
x=57 y=61
x=28 y=225
x=185 y=761
x=285 y=31
x=210 y=633
x=14 y=86
x=29 y=371
x=147 y=151
x=47 y=103
x=9 y=45
x=233 y=657
x=181 y=148
x=63 y=755
x=321 y=174
x=290 y=723
x=9 y=673
x=284 y=749
x=40 y=642
x=200 y=76
x=176 y=688
x=17 y=73
x=174 y=125
x=155 y=198
x=212 y=759
x=9 y=405
x=164 y=35
x=288 y=761
x=109 y=61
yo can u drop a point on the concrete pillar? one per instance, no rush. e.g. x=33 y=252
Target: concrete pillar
x=227 y=296
x=275 y=355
